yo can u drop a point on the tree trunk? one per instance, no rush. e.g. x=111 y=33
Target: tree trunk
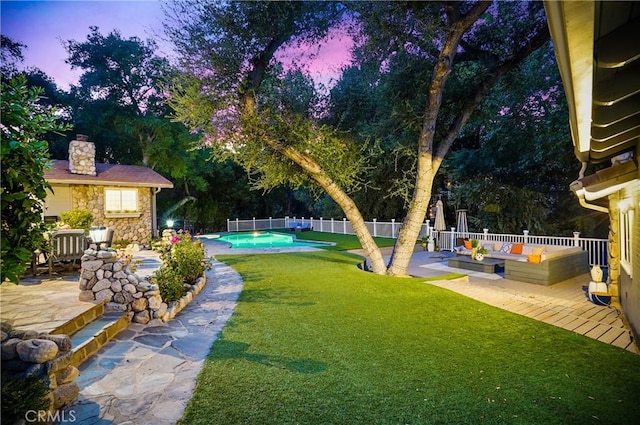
x=405 y=244
x=426 y=171
x=176 y=206
x=356 y=220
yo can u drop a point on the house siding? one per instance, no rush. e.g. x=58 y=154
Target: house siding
x=629 y=289
x=60 y=202
x=130 y=229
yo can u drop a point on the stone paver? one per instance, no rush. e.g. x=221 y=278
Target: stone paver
x=146 y=375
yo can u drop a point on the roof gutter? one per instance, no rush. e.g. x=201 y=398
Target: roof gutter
x=576 y=69
x=604 y=183
x=580 y=193
x=86 y=182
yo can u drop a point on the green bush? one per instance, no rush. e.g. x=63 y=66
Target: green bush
x=170 y=283
x=120 y=243
x=187 y=258
x=77 y=219
x=20 y=395
x=23 y=159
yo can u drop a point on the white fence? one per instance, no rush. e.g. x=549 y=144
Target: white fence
x=598 y=249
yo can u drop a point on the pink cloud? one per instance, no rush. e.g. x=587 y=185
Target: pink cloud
x=324 y=61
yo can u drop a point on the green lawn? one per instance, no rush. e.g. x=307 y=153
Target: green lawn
x=313 y=340
x=343 y=242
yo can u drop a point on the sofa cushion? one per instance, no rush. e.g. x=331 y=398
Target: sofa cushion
x=527 y=250
x=516 y=248
x=467 y=244
x=539 y=250
x=506 y=247
x=536 y=259
x=507 y=256
x=565 y=250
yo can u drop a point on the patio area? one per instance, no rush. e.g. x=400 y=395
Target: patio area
x=45 y=303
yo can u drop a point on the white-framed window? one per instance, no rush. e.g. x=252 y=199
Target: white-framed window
x=120 y=201
x=626 y=229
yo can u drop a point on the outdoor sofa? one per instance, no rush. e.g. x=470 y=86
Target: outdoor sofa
x=540 y=264
x=295 y=226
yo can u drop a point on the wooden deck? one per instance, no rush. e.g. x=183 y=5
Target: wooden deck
x=564 y=305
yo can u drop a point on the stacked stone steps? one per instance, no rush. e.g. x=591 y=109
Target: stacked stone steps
x=91 y=330
x=78 y=322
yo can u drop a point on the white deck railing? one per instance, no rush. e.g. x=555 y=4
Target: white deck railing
x=446 y=240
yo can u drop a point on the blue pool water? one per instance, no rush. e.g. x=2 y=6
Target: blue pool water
x=263 y=240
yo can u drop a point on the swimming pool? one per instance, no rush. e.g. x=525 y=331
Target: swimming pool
x=264 y=240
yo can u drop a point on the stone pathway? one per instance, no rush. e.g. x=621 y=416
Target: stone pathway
x=146 y=375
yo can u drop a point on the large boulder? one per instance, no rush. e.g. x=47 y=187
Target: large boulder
x=37 y=350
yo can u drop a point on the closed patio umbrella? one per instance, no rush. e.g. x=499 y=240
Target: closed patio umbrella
x=440 y=225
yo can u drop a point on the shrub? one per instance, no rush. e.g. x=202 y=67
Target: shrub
x=170 y=283
x=23 y=159
x=187 y=258
x=77 y=219
x=120 y=243
x=20 y=395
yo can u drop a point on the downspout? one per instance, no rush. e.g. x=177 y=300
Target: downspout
x=154 y=214
x=577 y=188
x=585 y=204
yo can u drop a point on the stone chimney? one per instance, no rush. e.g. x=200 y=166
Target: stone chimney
x=82 y=156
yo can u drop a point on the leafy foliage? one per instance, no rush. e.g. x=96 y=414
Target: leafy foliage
x=77 y=219
x=20 y=395
x=124 y=71
x=184 y=262
x=170 y=283
x=187 y=258
x=514 y=168
x=24 y=157
x=10 y=56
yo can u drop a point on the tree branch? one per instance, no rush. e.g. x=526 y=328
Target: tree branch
x=442 y=70
x=537 y=41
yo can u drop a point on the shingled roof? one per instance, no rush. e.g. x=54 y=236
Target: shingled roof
x=107 y=175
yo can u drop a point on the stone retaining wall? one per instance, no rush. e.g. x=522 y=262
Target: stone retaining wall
x=27 y=353
x=108 y=277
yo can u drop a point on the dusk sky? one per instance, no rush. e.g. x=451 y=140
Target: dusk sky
x=43 y=25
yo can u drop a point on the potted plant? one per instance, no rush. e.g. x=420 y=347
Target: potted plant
x=477 y=252
x=424 y=241
x=480 y=253
x=428 y=243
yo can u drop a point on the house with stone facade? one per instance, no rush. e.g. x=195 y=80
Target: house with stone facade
x=597 y=46
x=121 y=197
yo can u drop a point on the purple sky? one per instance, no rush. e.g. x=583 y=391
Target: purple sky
x=42 y=25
